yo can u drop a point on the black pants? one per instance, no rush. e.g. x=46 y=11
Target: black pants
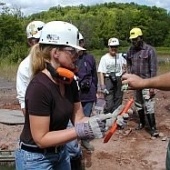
x=115 y=97
x=168 y=157
x=76 y=164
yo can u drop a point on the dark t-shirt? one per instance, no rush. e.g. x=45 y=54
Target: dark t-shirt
x=43 y=98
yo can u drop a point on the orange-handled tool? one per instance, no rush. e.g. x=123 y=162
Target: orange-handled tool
x=114 y=126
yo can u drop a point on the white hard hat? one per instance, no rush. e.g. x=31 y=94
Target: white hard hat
x=34 y=28
x=113 y=42
x=60 y=33
x=81 y=36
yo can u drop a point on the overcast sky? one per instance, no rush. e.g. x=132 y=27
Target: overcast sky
x=29 y=7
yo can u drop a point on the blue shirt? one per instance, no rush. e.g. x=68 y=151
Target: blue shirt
x=87 y=72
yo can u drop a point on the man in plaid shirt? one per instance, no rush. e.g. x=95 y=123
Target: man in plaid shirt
x=142 y=61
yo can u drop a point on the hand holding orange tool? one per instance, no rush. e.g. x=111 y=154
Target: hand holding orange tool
x=114 y=126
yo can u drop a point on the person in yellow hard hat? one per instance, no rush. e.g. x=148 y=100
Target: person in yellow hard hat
x=142 y=61
x=135 y=32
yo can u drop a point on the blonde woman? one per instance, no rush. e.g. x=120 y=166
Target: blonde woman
x=51 y=100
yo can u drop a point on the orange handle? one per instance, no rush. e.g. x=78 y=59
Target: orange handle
x=127 y=106
x=110 y=133
x=114 y=126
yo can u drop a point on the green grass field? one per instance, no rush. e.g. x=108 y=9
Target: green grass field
x=8 y=70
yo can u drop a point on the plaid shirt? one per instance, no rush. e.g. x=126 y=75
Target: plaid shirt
x=142 y=62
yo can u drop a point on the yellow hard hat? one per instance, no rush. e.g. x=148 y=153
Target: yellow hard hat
x=135 y=32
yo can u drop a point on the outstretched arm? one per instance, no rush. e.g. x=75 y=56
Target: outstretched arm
x=161 y=82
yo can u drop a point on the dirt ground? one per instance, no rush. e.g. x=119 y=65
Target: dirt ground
x=127 y=149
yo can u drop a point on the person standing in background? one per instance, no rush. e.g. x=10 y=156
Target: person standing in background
x=24 y=73
x=88 y=81
x=111 y=67
x=142 y=61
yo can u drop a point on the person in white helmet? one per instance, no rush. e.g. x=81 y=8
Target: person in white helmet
x=52 y=99
x=33 y=31
x=110 y=69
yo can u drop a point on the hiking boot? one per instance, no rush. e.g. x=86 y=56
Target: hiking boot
x=141 y=124
x=86 y=144
x=152 y=124
x=76 y=163
x=154 y=132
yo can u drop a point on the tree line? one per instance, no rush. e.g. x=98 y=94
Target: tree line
x=97 y=23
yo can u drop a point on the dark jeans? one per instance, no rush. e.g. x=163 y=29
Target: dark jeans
x=115 y=97
x=87 y=108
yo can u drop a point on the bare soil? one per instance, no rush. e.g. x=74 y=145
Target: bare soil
x=127 y=149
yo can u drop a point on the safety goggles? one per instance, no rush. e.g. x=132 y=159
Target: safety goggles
x=72 y=51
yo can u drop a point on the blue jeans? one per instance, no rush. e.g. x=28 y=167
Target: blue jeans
x=87 y=108
x=25 y=160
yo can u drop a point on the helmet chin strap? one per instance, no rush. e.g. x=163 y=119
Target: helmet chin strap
x=51 y=70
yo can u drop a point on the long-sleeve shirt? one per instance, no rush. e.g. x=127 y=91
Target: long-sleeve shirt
x=87 y=71
x=142 y=62
x=22 y=80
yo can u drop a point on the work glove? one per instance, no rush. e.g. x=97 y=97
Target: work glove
x=93 y=128
x=124 y=87
x=148 y=93
x=104 y=89
x=88 y=131
x=121 y=120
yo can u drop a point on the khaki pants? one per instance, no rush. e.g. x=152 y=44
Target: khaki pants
x=143 y=101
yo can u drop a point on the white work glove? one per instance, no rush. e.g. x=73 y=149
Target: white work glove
x=104 y=89
x=124 y=87
x=122 y=120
